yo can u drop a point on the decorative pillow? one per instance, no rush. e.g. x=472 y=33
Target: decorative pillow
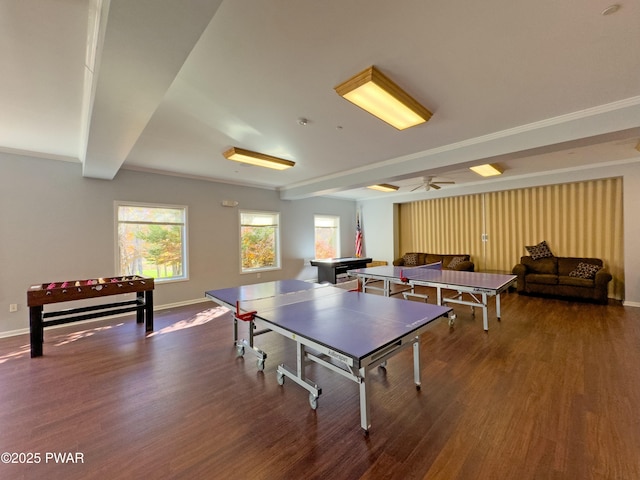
x=540 y=250
x=585 y=270
x=410 y=259
x=455 y=261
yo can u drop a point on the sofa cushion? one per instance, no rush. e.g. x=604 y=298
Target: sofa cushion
x=585 y=270
x=455 y=261
x=566 y=265
x=425 y=258
x=575 y=281
x=432 y=258
x=542 y=278
x=447 y=258
x=547 y=265
x=410 y=259
x=540 y=250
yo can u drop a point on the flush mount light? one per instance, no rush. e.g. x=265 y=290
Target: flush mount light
x=486 y=170
x=380 y=96
x=255 y=158
x=384 y=187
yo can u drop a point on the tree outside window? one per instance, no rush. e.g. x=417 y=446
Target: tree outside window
x=152 y=241
x=327 y=235
x=259 y=241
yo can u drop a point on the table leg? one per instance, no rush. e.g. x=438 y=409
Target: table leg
x=326 y=273
x=252 y=328
x=416 y=363
x=365 y=412
x=498 y=305
x=235 y=330
x=299 y=376
x=140 y=309
x=485 y=313
x=37 y=330
x=148 y=310
x=300 y=360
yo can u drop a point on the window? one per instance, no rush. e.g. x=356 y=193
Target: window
x=152 y=241
x=259 y=241
x=327 y=236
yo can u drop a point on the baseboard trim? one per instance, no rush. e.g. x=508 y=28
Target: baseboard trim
x=630 y=304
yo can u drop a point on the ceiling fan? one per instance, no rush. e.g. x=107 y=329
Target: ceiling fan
x=428 y=184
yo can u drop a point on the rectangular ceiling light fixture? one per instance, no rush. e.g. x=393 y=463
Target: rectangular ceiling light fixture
x=255 y=158
x=486 y=170
x=377 y=94
x=384 y=187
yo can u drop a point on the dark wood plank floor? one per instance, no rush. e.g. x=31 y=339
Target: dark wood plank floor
x=551 y=392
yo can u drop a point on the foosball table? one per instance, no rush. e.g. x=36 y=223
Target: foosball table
x=56 y=292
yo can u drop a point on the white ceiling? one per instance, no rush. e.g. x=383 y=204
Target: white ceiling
x=168 y=85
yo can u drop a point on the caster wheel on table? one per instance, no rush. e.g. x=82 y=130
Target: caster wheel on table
x=280 y=378
x=260 y=364
x=313 y=401
x=239 y=351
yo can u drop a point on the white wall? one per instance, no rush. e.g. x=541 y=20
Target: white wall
x=380 y=215
x=56 y=225
x=632 y=236
x=378 y=229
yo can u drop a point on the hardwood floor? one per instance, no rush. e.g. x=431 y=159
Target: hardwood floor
x=550 y=392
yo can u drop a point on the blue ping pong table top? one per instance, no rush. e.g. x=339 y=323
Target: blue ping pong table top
x=434 y=273
x=261 y=290
x=352 y=323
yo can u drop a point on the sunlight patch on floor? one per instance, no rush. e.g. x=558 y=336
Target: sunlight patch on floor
x=200 y=318
x=75 y=336
x=25 y=349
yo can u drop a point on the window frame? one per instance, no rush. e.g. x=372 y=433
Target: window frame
x=337 y=233
x=185 y=236
x=277 y=254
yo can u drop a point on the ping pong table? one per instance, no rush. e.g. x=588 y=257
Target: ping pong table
x=347 y=332
x=478 y=286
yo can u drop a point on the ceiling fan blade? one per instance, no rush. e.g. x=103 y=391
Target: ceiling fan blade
x=444 y=183
x=436 y=186
x=414 y=189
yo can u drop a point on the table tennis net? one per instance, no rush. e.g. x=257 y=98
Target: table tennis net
x=428 y=266
x=269 y=303
x=415 y=271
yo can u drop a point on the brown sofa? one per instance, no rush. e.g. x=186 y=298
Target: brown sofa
x=412 y=259
x=561 y=277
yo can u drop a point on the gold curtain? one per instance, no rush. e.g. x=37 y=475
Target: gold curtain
x=442 y=225
x=582 y=219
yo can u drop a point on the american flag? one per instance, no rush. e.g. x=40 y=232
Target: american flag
x=358 y=237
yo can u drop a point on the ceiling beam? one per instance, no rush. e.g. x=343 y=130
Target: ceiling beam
x=593 y=122
x=143 y=48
